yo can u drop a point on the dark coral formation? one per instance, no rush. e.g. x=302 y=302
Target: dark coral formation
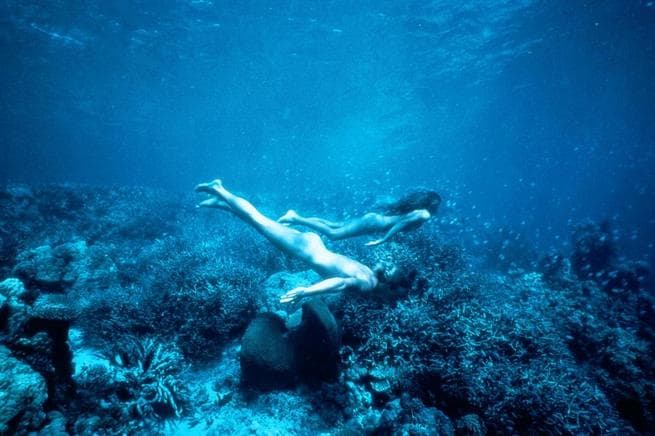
x=23 y=395
x=36 y=331
x=317 y=340
x=593 y=250
x=124 y=309
x=267 y=354
x=275 y=354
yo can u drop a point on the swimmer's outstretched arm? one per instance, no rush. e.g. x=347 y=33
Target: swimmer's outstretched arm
x=411 y=220
x=327 y=286
x=392 y=231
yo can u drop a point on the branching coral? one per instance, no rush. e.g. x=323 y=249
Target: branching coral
x=467 y=349
x=141 y=387
x=151 y=371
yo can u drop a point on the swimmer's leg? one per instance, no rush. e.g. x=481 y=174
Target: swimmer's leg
x=332 y=230
x=333 y=224
x=209 y=188
x=288 y=240
x=292 y=217
x=214 y=203
x=289 y=217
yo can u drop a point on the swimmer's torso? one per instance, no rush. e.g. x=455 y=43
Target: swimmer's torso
x=375 y=222
x=329 y=264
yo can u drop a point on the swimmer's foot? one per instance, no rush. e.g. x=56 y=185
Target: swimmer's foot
x=288 y=217
x=214 y=202
x=210 y=188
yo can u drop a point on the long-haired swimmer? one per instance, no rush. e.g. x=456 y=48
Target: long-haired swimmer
x=408 y=213
x=340 y=273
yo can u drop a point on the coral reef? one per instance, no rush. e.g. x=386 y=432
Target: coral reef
x=593 y=249
x=127 y=311
x=141 y=384
x=23 y=394
x=36 y=331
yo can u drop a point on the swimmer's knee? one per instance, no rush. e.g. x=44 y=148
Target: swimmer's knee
x=330 y=233
x=335 y=234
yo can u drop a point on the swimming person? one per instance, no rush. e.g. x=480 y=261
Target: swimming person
x=340 y=272
x=403 y=215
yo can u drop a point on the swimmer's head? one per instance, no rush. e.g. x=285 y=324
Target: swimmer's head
x=394 y=277
x=384 y=272
x=419 y=199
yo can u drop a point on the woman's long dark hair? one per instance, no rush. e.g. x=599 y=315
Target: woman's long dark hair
x=419 y=199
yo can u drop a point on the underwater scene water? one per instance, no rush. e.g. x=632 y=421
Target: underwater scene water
x=421 y=217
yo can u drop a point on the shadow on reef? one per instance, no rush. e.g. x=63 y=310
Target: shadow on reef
x=129 y=311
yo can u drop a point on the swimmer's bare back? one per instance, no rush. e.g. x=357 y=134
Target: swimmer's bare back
x=341 y=272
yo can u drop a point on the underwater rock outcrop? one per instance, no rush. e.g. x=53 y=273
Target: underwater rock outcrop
x=22 y=395
x=55 y=425
x=267 y=354
x=276 y=355
x=50 y=268
x=36 y=331
x=317 y=340
x=63 y=267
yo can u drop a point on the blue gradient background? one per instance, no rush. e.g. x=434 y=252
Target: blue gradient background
x=530 y=114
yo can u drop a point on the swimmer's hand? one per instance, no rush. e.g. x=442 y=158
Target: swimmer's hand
x=374 y=242
x=293 y=295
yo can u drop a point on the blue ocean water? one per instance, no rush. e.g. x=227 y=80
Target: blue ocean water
x=534 y=120
x=533 y=113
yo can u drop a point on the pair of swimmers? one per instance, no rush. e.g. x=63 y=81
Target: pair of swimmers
x=339 y=272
